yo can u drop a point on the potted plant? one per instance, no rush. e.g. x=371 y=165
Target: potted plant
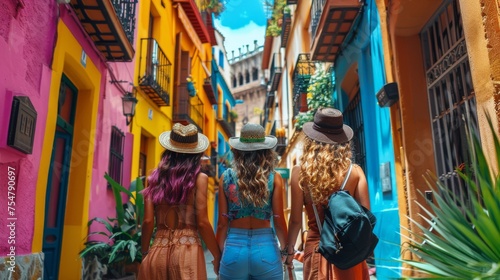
x=463 y=241
x=121 y=245
x=233 y=115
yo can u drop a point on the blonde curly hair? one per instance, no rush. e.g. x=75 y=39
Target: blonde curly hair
x=253 y=169
x=323 y=168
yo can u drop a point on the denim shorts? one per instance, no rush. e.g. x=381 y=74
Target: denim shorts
x=251 y=254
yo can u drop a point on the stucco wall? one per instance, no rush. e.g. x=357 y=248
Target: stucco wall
x=26 y=40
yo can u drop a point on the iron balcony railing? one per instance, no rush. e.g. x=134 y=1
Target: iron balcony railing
x=275 y=71
x=154 y=72
x=316 y=11
x=304 y=69
x=125 y=9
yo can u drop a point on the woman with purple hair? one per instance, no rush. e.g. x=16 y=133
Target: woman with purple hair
x=177 y=198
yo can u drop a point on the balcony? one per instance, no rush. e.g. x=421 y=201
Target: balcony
x=187 y=109
x=154 y=72
x=331 y=22
x=275 y=74
x=209 y=90
x=285 y=28
x=229 y=127
x=304 y=69
x=194 y=16
x=110 y=24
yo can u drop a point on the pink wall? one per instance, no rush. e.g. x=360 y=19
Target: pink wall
x=26 y=39
x=110 y=113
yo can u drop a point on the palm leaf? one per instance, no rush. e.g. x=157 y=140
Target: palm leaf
x=463 y=242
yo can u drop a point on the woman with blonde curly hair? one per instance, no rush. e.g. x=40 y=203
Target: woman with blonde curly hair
x=324 y=166
x=251 y=194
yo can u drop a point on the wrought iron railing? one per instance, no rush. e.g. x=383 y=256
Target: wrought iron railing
x=125 y=9
x=154 y=72
x=275 y=71
x=197 y=111
x=304 y=69
x=316 y=11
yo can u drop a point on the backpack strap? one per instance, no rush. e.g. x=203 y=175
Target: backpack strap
x=320 y=227
x=346 y=177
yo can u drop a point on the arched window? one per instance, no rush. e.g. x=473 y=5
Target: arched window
x=241 y=79
x=234 y=81
x=247 y=77
x=255 y=74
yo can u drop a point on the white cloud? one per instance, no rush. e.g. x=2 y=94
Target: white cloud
x=239 y=38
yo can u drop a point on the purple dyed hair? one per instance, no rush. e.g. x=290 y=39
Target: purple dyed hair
x=174 y=178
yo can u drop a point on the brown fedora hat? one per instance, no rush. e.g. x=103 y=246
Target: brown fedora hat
x=328 y=127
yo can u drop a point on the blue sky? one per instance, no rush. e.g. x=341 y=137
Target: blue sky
x=241 y=23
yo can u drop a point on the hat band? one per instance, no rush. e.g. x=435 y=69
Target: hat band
x=252 y=140
x=183 y=145
x=333 y=130
x=184 y=139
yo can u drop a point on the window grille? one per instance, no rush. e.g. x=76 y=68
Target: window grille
x=452 y=103
x=116 y=154
x=353 y=116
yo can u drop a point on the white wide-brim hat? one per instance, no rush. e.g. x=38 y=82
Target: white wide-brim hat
x=253 y=138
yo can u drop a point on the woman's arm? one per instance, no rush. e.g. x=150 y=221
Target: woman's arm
x=279 y=214
x=223 y=222
x=361 y=192
x=295 y=221
x=147 y=226
x=204 y=226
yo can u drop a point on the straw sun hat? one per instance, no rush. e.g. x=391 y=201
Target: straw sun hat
x=184 y=139
x=253 y=138
x=328 y=127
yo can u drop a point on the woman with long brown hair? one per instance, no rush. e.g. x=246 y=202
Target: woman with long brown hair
x=251 y=195
x=324 y=165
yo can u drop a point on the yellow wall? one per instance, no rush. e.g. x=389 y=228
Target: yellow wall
x=87 y=79
x=166 y=24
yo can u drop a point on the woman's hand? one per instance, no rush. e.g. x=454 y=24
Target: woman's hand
x=216 y=263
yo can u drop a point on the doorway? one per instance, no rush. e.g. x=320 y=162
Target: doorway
x=58 y=177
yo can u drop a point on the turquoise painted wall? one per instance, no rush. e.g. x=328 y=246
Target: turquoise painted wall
x=364 y=47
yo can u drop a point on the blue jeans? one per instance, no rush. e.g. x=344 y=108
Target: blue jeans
x=251 y=254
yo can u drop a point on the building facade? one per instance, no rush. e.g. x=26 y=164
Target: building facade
x=443 y=55
x=342 y=40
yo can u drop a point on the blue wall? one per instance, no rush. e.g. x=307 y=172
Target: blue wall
x=364 y=48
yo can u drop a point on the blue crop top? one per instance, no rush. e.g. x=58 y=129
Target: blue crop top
x=235 y=209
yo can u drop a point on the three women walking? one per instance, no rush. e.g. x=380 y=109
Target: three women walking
x=252 y=241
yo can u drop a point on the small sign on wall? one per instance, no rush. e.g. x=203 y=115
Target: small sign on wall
x=385 y=177
x=83 y=59
x=22 y=124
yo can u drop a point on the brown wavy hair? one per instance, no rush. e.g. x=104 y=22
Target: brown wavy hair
x=252 y=169
x=323 y=167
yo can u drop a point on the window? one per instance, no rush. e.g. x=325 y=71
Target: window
x=353 y=116
x=452 y=100
x=247 y=77
x=116 y=154
x=235 y=83
x=221 y=59
x=241 y=79
x=255 y=74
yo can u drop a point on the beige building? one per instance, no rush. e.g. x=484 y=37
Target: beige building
x=248 y=85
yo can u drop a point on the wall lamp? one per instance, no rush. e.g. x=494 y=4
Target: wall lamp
x=129 y=101
x=388 y=95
